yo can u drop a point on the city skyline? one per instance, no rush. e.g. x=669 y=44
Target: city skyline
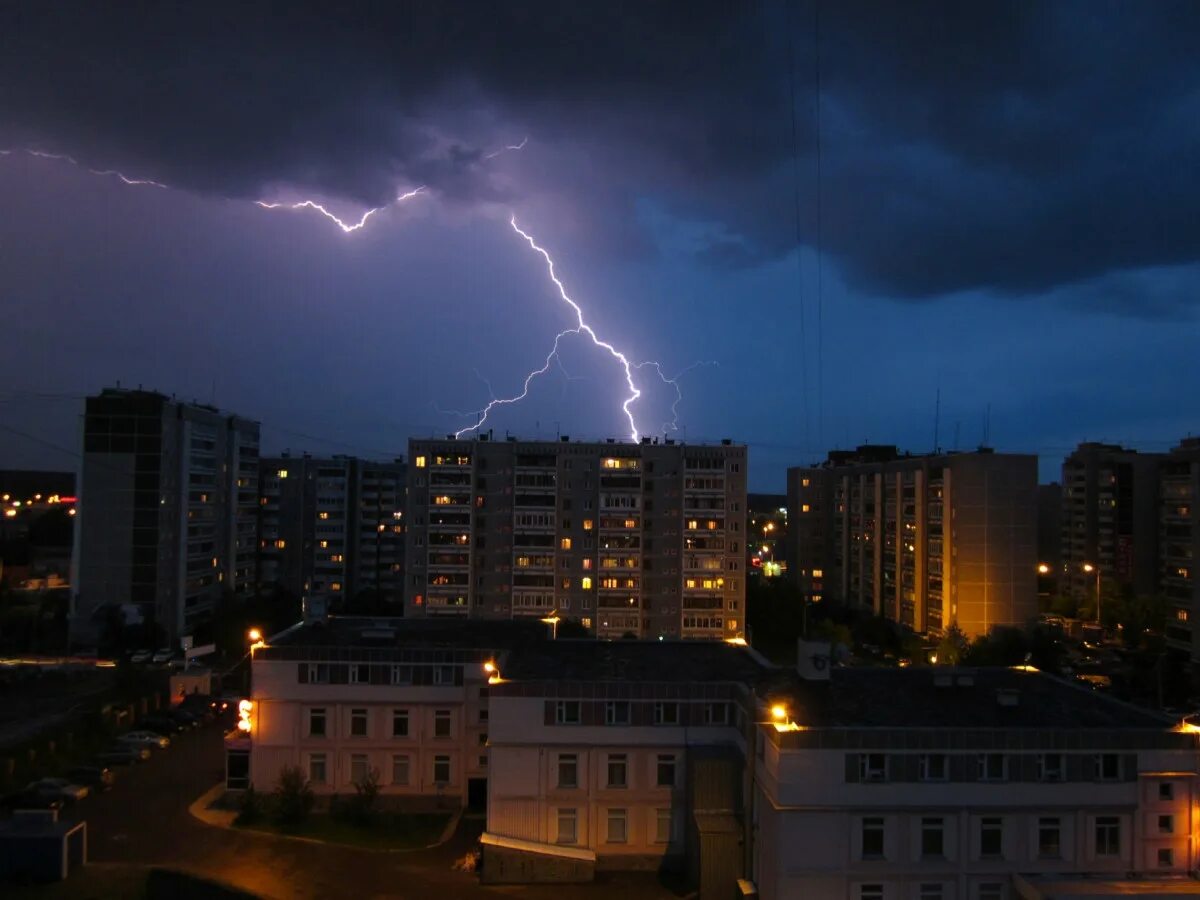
x=1005 y=242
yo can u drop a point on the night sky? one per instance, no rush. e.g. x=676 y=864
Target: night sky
x=1000 y=201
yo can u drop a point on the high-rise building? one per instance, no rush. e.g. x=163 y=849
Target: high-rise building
x=1109 y=521
x=924 y=540
x=332 y=527
x=1179 y=546
x=167 y=493
x=622 y=538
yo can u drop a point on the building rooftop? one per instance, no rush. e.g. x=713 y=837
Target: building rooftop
x=381 y=632
x=635 y=661
x=952 y=698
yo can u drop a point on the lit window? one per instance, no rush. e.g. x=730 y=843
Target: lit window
x=565 y=543
x=420 y=462
x=280 y=544
x=803 y=482
x=336 y=586
x=587 y=524
x=818 y=573
x=324 y=545
x=692 y=524
x=586 y=582
x=282 y=473
x=712 y=524
x=804 y=508
x=587 y=563
x=336 y=557
x=323 y=515
x=631 y=523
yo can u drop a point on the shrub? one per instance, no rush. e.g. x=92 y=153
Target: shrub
x=251 y=809
x=360 y=809
x=293 y=797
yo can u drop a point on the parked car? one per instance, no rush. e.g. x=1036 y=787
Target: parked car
x=123 y=755
x=164 y=724
x=162 y=656
x=98 y=778
x=57 y=788
x=185 y=718
x=147 y=739
x=141 y=657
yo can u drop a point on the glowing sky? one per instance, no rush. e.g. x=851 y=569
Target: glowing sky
x=1007 y=213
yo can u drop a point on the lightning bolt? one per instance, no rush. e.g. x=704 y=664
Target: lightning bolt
x=581 y=328
x=346 y=227
x=510 y=147
x=673 y=381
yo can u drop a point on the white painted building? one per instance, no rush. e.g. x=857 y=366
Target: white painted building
x=942 y=785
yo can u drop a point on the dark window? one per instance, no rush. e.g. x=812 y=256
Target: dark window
x=1108 y=836
x=1166 y=790
x=932 y=837
x=1166 y=824
x=400 y=723
x=666 y=770
x=872 y=767
x=1049 y=837
x=616 y=712
x=617 y=770
x=1166 y=858
x=1108 y=767
x=358 y=723
x=316 y=722
x=992 y=767
x=991 y=837
x=872 y=838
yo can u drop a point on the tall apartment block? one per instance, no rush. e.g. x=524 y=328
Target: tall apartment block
x=1109 y=520
x=623 y=538
x=332 y=527
x=923 y=540
x=1179 y=545
x=169 y=497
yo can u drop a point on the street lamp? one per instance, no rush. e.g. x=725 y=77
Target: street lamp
x=1089 y=568
x=552 y=620
x=255 y=635
x=1043 y=569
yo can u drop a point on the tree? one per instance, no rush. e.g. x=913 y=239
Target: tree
x=251 y=809
x=952 y=647
x=361 y=807
x=294 y=798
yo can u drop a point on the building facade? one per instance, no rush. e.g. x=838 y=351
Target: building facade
x=354 y=698
x=639 y=539
x=924 y=540
x=927 y=783
x=1179 y=546
x=332 y=527
x=169 y=515
x=1109 y=521
x=942 y=784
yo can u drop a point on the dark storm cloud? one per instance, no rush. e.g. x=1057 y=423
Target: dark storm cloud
x=1015 y=147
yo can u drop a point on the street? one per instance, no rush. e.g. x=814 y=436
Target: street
x=144 y=820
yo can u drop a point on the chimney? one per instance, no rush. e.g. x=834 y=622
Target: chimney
x=813 y=660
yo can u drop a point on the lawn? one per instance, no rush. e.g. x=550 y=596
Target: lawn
x=389 y=832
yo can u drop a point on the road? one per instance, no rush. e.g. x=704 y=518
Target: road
x=144 y=820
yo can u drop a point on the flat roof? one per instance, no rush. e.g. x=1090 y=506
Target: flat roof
x=381 y=632
x=635 y=660
x=943 y=697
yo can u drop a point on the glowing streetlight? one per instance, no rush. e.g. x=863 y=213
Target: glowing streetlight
x=489 y=667
x=255 y=635
x=1089 y=568
x=1043 y=569
x=552 y=620
x=779 y=712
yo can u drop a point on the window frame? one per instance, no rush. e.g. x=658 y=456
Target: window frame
x=927 y=775
x=407 y=761
x=359 y=716
x=873 y=825
x=443 y=717
x=322 y=758
x=616 y=814
x=991 y=825
x=560 y=712
x=1049 y=825
x=616 y=762
x=668 y=760
x=318 y=713
x=870 y=774
x=611 y=708
x=401 y=715
x=571 y=760
x=930 y=826
x=440 y=760
x=1109 y=826
x=564 y=814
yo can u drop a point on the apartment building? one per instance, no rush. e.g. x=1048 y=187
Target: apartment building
x=642 y=539
x=1179 y=546
x=169 y=511
x=332 y=527
x=923 y=540
x=942 y=784
x=863 y=784
x=405 y=701
x=1109 y=521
